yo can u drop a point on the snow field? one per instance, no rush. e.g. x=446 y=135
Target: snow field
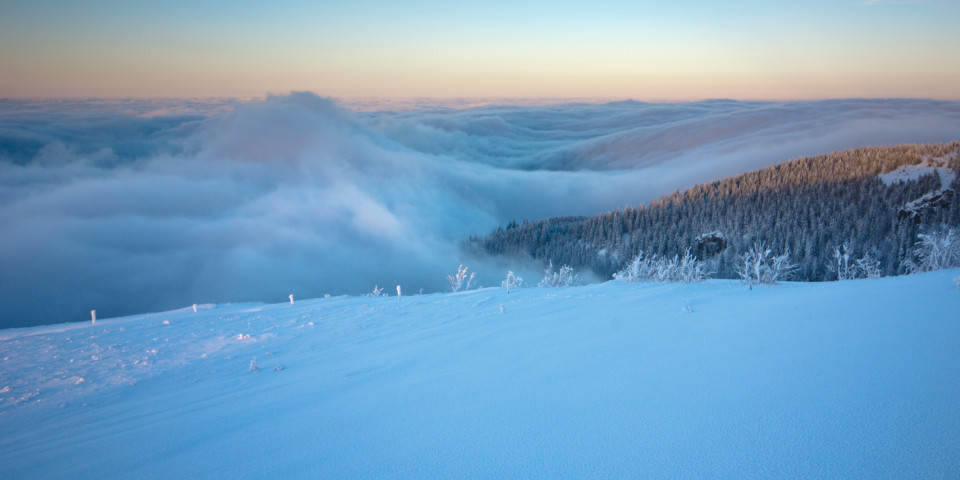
x=852 y=379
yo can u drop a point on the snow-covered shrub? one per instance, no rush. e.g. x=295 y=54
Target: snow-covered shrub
x=253 y=365
x=846 y=268
x=639 y=269
x=686 y=269
x=564 y=278
x=934 y=251
x=689 y=269
x=759 y=265
x=512 y=281
x=461 y=282
x=377 y=292
x=665 y=270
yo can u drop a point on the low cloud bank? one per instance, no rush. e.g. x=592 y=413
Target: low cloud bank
x=138 y=206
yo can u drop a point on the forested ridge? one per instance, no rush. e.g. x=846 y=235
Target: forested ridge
x=810 y=205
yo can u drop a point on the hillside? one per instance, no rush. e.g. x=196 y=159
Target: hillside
x=849 y=379
x=875 y=200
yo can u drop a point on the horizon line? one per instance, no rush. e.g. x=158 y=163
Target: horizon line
x=465 y=98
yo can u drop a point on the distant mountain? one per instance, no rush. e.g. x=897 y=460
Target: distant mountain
x=866 y=201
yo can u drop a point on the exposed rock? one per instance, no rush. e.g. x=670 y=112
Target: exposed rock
x=925 y=205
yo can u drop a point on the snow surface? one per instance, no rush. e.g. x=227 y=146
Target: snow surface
x=853 y=379
x=927 y=167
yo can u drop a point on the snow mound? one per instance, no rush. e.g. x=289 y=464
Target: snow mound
x=852 y=379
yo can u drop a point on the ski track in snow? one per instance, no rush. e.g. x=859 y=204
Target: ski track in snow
x=852 y=379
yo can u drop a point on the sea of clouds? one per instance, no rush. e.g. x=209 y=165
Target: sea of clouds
x=132 y=206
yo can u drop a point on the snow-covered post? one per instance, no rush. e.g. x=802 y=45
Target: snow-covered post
x=398 y=293
x=291 y=299
x=93 y=317
x=194 y=308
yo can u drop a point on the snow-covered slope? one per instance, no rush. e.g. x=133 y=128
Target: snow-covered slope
x=850 y=379
x=928 y=166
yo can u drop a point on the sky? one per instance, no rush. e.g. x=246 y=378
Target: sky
x=653 y=50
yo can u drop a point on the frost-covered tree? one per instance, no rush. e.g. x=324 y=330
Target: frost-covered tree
x=934 y=251
x=639 y=269
x=460 y=282
x=845 y=267
x=690 y=269
x=512 y=281
x=779 y=268
x=563 y=278
x=377 y=292
x=841 y=263
x=868 y=266
x=759 y=265
x=686 y=269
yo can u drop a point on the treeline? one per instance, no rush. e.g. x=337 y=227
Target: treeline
x=809 y=206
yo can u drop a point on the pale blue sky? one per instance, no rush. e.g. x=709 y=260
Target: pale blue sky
x=617 y=49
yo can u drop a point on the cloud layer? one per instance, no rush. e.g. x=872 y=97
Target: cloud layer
x=139 y=206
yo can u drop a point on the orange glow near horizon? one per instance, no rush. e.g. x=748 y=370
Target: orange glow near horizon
x=611 y=50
